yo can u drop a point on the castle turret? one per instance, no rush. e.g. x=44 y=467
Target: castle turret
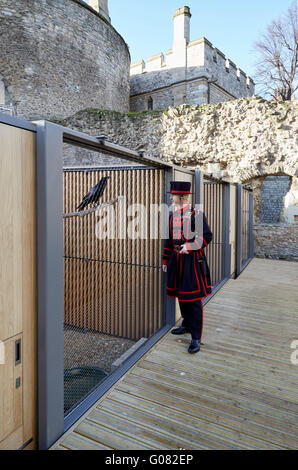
x=101 y=6
x=35 y=92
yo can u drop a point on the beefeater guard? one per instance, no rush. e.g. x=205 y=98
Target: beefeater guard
x=184 y=260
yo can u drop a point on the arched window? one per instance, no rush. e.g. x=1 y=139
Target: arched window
x=150 y=102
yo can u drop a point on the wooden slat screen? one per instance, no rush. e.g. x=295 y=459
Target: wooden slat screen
x=112 y=285
x=213 y=205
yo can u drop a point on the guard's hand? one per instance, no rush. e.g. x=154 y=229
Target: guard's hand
x=184 y=250
x=164 y=268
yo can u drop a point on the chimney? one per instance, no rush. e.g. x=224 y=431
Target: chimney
x=101 y=6
x=181 y=27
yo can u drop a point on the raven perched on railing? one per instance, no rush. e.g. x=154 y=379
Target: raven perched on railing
x=94 y=194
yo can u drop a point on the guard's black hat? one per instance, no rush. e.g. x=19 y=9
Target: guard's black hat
x=180 y=187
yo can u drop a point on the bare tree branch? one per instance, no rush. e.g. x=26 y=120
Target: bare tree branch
x=276 y=68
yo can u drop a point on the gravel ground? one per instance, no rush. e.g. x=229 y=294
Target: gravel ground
x=88 y=348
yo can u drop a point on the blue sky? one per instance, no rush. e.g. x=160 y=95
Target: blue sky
x=230 y=25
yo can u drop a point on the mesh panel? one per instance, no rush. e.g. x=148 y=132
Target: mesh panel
x=245 y=225
x=112 y=287
x=213 y=203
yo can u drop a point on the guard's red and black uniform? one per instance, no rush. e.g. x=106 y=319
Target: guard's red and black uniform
x=188 y=275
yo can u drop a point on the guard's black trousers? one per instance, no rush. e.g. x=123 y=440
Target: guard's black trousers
x=192 y=314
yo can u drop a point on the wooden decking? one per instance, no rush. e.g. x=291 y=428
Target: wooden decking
x=239 y=392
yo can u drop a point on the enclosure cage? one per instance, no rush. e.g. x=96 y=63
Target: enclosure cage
x=113 y=296
x=90 y=307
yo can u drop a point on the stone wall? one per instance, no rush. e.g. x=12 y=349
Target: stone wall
x=276 y=241
x=218 y=95
x=244 y=140
x=273 y=191
x=193 y=92
x=229 y=77
x=60 y=56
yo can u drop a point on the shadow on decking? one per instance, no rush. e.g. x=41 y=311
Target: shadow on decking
x=238 y=392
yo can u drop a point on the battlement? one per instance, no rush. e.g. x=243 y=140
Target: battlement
x=200 y=53
x=214 y=55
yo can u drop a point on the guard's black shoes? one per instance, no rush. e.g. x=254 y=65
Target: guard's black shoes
x=194 y=346
x=180 y=331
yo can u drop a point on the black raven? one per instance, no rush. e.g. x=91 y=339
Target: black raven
x=94 y=194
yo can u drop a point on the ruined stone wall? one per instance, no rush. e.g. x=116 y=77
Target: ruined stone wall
x=245 y=140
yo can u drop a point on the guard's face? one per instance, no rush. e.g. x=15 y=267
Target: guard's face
x=175 y=198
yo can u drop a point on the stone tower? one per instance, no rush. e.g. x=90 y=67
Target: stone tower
x=193 y=72
x=42 y=76
x=102 y=7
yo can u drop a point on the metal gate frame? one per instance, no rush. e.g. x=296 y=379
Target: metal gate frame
x=225 y=225
x=50 y=139
x=240 y=263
